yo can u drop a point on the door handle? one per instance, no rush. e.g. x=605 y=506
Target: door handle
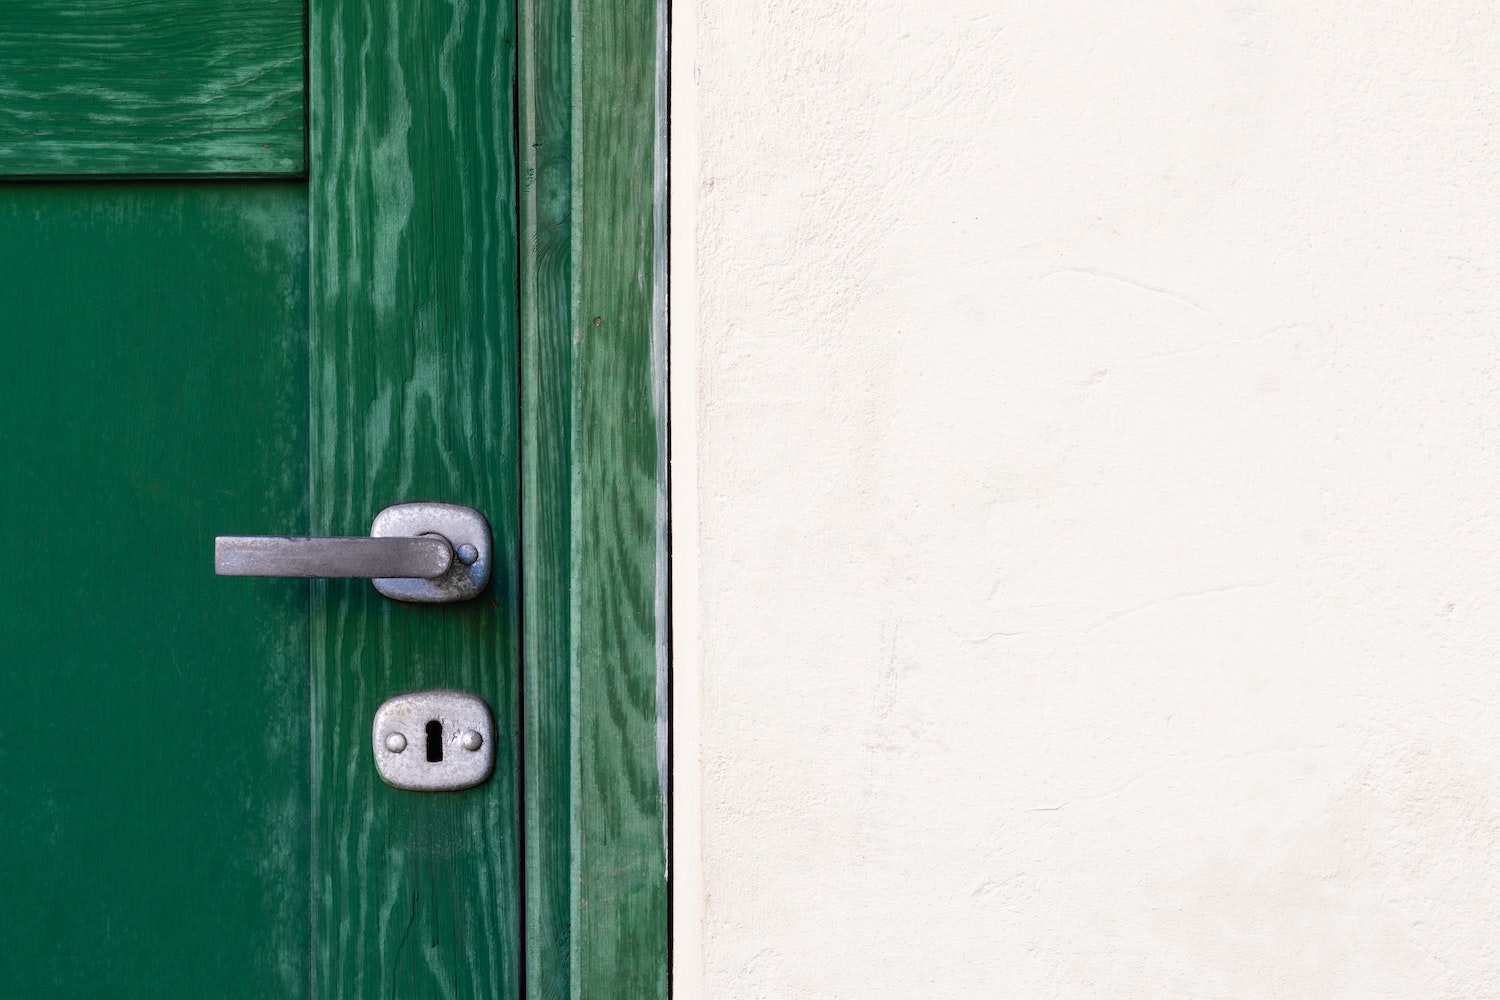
x=332 y=558
x=427 y=553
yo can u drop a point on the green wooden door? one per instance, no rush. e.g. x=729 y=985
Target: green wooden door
x=214 y=320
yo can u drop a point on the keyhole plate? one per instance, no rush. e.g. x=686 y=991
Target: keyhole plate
x=463 y=722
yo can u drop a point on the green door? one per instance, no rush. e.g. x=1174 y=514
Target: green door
x=215 y=320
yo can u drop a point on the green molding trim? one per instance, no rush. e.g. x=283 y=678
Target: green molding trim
x=594 y=488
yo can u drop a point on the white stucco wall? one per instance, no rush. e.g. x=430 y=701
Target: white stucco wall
x=1087 y=456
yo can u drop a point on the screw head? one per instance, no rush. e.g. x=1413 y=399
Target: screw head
x=395 y=743
x=467 y=554
x=471 y=740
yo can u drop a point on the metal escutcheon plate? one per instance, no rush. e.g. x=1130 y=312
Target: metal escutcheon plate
x=434 y=741
x=462 y=527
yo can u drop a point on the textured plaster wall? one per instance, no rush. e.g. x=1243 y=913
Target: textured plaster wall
x=1088 y=498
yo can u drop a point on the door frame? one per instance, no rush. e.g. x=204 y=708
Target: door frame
x=595 y=647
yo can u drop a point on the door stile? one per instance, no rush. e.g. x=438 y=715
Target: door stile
x=414 y=396
x=545 y=111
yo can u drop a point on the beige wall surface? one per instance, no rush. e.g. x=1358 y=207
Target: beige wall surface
x=1087 y=498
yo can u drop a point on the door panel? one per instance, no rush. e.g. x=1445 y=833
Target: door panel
x=153 y=721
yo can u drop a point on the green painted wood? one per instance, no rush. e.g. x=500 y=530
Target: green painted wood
x=151 y=87
x=413 y=386
x=545 y=101
x=153 y=720
x=594 y=468
x=595 y=488
x=414 y=397
x=618 y=495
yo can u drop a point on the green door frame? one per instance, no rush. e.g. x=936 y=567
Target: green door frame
x=588 y=224
x=589 y=106
x=590 y=134
x=592 y=113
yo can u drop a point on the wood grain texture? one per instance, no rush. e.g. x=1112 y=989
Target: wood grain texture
x=618 y=608
x=151 y=87
x=545 y=99
x=594 y=514
x=414 y=396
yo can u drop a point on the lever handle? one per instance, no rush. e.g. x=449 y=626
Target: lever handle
x=333 y=558
x=423 y=552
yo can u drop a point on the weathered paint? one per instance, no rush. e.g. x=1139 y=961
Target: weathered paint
x=595 y=477
x=414 y=377
x=151 y=87
x=660 y=266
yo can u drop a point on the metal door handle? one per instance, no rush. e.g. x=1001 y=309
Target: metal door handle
x=332 y=558
x=423 y=552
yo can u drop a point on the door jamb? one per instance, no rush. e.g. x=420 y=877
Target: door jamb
x=592 y=120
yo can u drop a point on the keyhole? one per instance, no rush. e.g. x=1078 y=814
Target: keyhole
x=434 y=741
